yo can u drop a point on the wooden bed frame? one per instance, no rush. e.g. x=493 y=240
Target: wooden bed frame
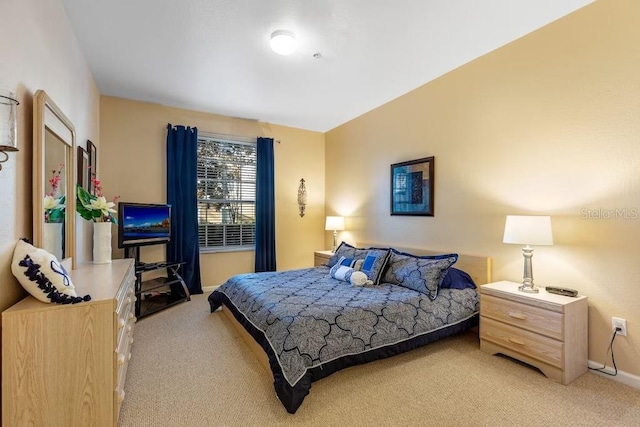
x=478 y=267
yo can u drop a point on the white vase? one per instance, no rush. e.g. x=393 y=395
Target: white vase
x=52 y=239
x=102 y=242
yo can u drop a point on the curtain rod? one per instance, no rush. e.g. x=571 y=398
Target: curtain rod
x=228 y=136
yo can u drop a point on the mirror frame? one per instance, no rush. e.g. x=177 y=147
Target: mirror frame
x=47 y=115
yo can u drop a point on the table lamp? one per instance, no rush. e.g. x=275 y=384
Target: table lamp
x=528 y=230
x=335 y=223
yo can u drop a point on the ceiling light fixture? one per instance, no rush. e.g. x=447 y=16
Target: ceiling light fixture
x=283 y=42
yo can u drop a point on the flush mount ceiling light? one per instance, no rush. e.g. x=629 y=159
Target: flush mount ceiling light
x=283 y=42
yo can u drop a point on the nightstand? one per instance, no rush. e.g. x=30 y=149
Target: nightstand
x=545 y=330
x=321 y=257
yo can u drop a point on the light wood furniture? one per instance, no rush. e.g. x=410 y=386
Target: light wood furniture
x=545 y=330
x=65 y=365
x=321 y=257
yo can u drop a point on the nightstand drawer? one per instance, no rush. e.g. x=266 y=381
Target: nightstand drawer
x=524 y=316
x=533 y=345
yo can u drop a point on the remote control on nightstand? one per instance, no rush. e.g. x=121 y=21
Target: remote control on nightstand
x=562 y=291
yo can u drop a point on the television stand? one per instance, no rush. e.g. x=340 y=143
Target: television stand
x=157 y=293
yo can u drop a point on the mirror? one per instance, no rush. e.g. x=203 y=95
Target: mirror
x=54 y=201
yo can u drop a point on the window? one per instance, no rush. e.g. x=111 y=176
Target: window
x=226 y=194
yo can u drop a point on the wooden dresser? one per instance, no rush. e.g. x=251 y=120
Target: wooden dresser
x=545 y=330
x=65 y=365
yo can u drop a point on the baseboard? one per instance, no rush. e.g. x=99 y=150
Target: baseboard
x=209 y=289
x=622 y=377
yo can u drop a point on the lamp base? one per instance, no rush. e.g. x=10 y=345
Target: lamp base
x=528 y=289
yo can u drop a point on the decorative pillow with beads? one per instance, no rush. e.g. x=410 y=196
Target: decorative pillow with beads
x=43 y=276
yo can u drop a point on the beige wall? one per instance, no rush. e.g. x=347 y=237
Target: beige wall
x=133 y=165
x=548 y=125
x=38 y=51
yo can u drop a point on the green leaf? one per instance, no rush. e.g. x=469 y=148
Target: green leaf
x=83 y=200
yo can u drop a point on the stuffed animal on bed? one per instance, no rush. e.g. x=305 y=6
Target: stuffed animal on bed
x=344 y=271
x=358 y=278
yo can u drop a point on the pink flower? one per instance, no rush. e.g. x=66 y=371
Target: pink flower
x=55 y=181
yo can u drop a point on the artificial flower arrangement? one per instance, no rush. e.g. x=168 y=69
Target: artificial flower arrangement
x=94 y=207
x=54 y=205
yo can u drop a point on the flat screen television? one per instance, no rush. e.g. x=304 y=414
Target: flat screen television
x=141 y=224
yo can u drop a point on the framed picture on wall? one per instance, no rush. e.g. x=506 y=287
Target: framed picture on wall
x=412 y=187
x=93 y=164
x=83 y=168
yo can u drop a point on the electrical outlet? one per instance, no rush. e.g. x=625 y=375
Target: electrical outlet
x=617 y=322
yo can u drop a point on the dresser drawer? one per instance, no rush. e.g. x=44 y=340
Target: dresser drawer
x=533 y=345
x=524 y=316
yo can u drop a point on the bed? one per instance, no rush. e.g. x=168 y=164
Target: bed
x=305 y=324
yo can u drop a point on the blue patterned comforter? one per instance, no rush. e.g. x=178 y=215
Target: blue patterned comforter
x=309 y=320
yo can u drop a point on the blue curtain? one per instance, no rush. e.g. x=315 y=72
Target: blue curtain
x=182 y=162
x=265 y=208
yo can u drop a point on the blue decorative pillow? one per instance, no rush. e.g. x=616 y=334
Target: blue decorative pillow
x=374 y=264
x=347 y=251
x=348 y=274
x=457 y=279
x=341 y=272
x=349 y=262
x=376 y=267
x=423 y=274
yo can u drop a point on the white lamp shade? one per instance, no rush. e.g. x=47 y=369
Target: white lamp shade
x=283 y=42
x=335 y=223
x=528 y=230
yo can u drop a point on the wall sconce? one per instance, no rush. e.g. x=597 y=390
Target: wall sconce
x=8 y=134
x=302 y=197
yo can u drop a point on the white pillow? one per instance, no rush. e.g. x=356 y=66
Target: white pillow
x=348 y=274
x=42 y=275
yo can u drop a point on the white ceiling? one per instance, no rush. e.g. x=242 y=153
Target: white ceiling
x=214 y=55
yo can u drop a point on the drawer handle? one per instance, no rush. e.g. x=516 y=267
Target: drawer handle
x=517 y=315
x=516 y=341
x=121 y=323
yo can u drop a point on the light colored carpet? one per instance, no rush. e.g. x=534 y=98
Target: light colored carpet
x=190 y=368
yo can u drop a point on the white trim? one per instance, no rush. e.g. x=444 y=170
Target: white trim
x=206 y=289
x=622 y=377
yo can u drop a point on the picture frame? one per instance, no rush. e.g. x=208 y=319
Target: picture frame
x=412 y=187
x=93 y=165
x=83 y=168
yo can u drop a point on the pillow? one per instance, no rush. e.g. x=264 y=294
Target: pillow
x=374 y=264
x=457 y=279
x=349 y=262
x=341 y=272
x=348 y=274
x=356 y=264
x=423 y=274
x=374 y=269
x=347 y=251
x=42 y=275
